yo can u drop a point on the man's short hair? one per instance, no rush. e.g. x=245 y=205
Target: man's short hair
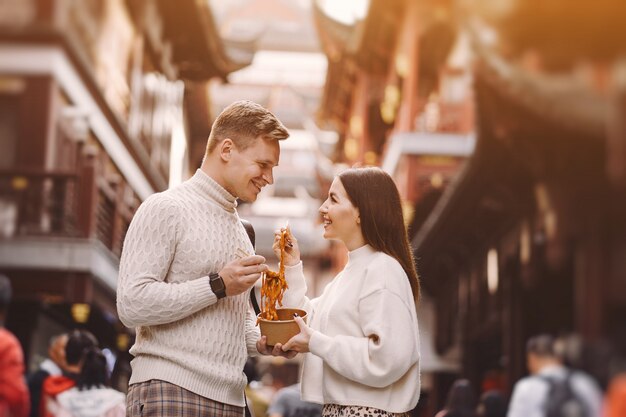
x=6 y=293
x=244 y=121
x=541 y=345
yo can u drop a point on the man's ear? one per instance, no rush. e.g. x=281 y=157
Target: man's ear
x=226 y=149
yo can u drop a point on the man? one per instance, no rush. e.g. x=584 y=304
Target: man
x=14 y=399
x=288 y=403
x=532 y=395
x=186 y=271
x=53 y=365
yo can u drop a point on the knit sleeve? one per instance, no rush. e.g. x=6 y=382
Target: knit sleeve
x=253 y=333
x=295 y=295
x=388 y=332
x=144 y=297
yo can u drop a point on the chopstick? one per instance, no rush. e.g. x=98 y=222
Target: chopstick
x=242 y=253
x=287 y=242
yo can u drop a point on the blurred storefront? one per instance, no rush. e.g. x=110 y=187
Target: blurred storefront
x=530 y=237
x=94 y=117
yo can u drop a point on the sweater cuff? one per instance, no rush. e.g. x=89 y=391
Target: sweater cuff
x=251 y=343
x=294 y=276
x=320 y=344
x=202 y=287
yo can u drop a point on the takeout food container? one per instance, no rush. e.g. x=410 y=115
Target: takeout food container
x=283 y=329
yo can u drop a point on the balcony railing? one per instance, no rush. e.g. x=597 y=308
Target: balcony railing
x=38 y=203
x=62 y=204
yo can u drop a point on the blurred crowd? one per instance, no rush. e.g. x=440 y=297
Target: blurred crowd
x=73 y=381
x=557 y=386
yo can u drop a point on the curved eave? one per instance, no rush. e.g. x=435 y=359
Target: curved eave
x=334 y=36
x=560 y=99
x=196 y=44
x=493 y=187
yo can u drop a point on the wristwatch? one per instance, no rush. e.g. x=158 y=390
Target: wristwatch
x=217 y=285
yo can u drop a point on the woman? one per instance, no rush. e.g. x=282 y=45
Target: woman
x=460 y=402
x=362 y=335
x=91 y=397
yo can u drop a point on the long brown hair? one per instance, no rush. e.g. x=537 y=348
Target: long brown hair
x=374 y=193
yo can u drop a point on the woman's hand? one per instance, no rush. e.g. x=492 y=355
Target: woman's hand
x=292 y=251
x=300 y=342
x=277 y=350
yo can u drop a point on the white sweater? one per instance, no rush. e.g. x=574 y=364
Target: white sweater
x=365 y=347
x=186 y=336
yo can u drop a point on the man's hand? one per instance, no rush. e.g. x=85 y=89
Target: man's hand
x=241 y=274
x=277 y=350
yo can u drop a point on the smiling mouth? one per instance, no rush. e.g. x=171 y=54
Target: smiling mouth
x=258 y=186
x=326 y=221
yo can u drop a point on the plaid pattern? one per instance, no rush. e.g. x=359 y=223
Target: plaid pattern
x=335 y=410
x=157 y=398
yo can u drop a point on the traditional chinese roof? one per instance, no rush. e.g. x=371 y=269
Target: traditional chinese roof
x=533 y=126
x=196 y=44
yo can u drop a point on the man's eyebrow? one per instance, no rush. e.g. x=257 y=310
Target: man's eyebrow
x=267 y=162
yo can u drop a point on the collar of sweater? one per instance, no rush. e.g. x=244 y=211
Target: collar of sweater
x=359 y=254
x=209 y=188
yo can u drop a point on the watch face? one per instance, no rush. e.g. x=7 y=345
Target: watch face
x=217 y=285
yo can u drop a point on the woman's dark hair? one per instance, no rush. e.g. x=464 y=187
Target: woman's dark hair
x=78 y=342
x=461 y=401
x=93 y=373
x=375 y=195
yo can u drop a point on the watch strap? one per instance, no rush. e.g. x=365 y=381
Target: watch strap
x=217 y=285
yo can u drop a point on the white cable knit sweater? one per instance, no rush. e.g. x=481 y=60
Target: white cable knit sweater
x=364 y=350
x=186 y=336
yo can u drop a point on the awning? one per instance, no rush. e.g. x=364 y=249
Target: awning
x=426 y=143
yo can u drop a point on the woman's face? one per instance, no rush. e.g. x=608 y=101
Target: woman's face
x=341 y=217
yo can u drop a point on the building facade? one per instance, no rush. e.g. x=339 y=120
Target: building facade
x=94 y=118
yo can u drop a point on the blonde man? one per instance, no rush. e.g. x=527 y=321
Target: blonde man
x=183 y=283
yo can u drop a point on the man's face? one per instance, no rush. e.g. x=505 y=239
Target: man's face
x=532 y=362
x=250 y=169
x=57 y=351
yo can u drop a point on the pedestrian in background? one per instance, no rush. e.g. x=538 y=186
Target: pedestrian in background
x=78 y=342
x=92 y=395
x=362 y=336
x=532 y=396
x=186 y=271
x=615 y=400
x=14 y=398
x=53 y=365
x=288 y=403
x=460 y=402
x=491 y=404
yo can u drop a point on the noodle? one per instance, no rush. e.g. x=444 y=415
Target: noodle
x=274 y=285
